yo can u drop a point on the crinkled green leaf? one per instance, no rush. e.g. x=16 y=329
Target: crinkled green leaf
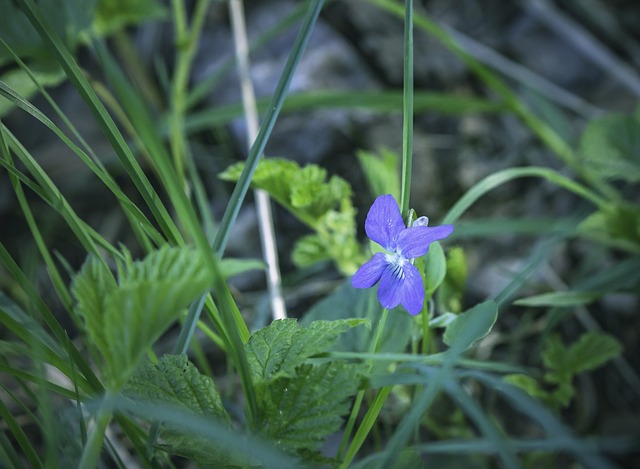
x=382 y=171
x=279 y=348
x=610 y=147
x=324 y=205
x=300 y=411
x=176 y=382
x=471 y=326
x=346 y=302
x=91 y=287
x=125 y=320
x=114 y=15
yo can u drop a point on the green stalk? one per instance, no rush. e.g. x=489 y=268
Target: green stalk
x=242 y=186
x=407 y=110
x=91 y=452
x=186 y=44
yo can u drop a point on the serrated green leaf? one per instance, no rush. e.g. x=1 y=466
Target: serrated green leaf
x=114 y=15
x=124 y=320
x=610 y=147
x=471 y=326
x=279 y=348
x=324 y=205
x=151 y=295
x=91 y=287
x=346 y=302
x=616 y=225
x=176 y=382
x=299 y=412
x=590 y=351
x=382 y=171
x=559 y=299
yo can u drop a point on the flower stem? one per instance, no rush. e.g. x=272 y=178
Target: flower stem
x=407 y=110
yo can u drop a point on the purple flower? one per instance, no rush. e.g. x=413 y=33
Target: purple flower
x=400 y=281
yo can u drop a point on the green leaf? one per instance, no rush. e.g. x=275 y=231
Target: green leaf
x=231 y=266
x=279 y=348
x=176 y=382
x=20 y=82
x=382 y=171
x=559 y=299
x=114 y=15
x=617 y=225
x=346 y=302
x=299 y=412
x=590 y=351
x=610 y=147
x=324 y=205
x=471 y=326
x=435 y=268
x=91 y=287
x=124 y=321
x=69 y=18
x=452 y=289
x=528 y=384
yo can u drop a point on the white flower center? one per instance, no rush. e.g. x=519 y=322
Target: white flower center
x=396 y=261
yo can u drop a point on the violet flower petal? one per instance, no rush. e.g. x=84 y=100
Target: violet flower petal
x=414 y=242
x=384 y=221
x=412 y=290
x=369 y=273
x=390 y=289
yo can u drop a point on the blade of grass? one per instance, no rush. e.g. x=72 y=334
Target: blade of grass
x=104 y=120
x=494 y=180
x=545 y=133
x=407 y=110
x=20 y=436
x=380 y=101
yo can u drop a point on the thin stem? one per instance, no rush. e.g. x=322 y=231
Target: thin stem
x=374 y=347
x=186 y=44
x=263 y=204
x=91 y=452
x=407 y=114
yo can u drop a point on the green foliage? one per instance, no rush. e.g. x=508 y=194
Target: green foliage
x=323 y=205
x=610 y=147
x=300 y=402
x=435 y=268
x=471 y=326
x=346 y=302
x=68 y=18
x=559 y=299
x=174 y=381
x=113 y=15
x=125 y=318
x=452 y=289
x=382 y=171
x=592 y=350
x=279 y=348
x=616 y=225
